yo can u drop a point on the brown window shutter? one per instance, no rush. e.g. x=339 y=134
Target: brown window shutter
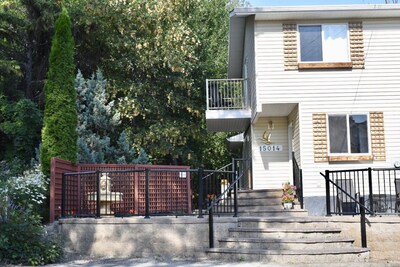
x=320 y=137
x=290 y=46
x=377 y=135
x=356 y=44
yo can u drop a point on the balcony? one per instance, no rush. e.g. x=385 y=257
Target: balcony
x=227 y=105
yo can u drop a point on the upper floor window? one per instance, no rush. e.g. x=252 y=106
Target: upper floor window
x=324 y=43
x=348 y=134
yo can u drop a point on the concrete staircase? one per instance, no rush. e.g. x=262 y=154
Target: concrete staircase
x=268 y=233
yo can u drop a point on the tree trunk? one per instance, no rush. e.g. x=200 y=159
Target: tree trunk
x=28 y=69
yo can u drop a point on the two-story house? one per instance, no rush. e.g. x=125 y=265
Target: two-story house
x=322 y=82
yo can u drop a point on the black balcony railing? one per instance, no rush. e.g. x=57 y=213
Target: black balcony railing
x=379 y=187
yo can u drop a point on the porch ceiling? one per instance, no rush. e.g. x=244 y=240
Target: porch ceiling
x=277 y=110
x=227 y=120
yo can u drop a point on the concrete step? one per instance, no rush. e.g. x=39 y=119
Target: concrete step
x=260 y=201
x=273 y=212
x=280 y=233
x=269 y=206
x=304 y=256
x=284 y=222
x=261 y=193
x=286 y=244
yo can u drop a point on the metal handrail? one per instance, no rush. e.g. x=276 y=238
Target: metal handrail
x=347 y=194
x=215 y=201
x=361 y=203
x=299 y=184
x=218 y=170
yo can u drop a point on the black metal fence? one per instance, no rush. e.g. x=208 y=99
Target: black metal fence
x=148 y=192
x=221 y=186
x=127 y=193
x=380 y=187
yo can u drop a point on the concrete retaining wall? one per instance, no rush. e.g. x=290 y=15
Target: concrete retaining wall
x=166 y=237
x=383 y=234
x=187 y=237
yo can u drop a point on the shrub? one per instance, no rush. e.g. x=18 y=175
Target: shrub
x=23 y=238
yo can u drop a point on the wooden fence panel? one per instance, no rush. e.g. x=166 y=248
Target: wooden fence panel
x=169 y=188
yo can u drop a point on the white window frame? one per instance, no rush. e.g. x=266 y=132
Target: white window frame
x=323 y=42
x=348 y=135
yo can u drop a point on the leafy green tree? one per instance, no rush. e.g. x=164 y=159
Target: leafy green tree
x=20 y=127
x=25 y=30
x=159 y=54
x=98 y=125
x=59 y=137
x=26 y=27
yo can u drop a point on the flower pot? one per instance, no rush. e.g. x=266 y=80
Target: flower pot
x=288 y=205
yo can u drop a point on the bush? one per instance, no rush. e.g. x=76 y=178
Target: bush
x=23 y=239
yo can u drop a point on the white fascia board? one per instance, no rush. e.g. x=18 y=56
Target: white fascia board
x=319 y=12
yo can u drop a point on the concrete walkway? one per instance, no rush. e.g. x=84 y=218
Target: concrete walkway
x=150 y=262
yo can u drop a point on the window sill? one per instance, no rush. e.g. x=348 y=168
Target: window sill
x=324 y=65
x=350 y=158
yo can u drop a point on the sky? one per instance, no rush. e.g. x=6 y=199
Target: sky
x=255 y=3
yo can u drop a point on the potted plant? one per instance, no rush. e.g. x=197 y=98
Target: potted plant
x=288 y=195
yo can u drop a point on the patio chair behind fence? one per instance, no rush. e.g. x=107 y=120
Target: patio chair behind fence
x=377 y=186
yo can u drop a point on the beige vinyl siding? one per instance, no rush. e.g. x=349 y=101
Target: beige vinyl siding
x=375 y=88
x=249 y=56
x=271 y=168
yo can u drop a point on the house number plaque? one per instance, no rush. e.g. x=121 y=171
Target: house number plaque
x=271 y=148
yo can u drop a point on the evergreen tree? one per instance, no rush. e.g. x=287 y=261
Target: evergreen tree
x=59 y=137
x=98 y=122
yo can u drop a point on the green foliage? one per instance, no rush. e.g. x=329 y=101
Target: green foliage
x=155 y=54
x=23 y=241
x=159 y=53
x=25 y=33
x=20 y=124
x=59 y=138
x=22 y=237
x=98 y=122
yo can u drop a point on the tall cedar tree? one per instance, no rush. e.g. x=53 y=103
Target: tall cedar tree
x=59 y=137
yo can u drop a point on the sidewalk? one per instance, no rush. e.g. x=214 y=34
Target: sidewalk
x=154 y=262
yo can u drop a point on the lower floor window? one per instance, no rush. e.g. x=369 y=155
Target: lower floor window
x=348 y=134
